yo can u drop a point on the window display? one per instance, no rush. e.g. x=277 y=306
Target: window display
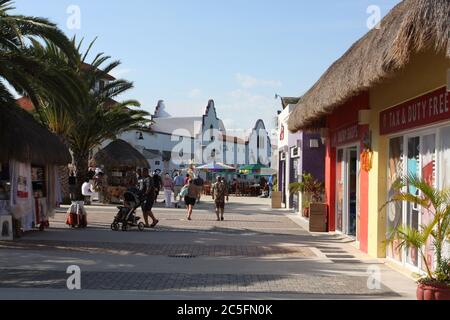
x=38 y=181
x=395 y=209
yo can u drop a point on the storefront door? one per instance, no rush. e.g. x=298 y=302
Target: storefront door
x=420 y=154
x=294 y=177
x=347 y=190
x=282 y=180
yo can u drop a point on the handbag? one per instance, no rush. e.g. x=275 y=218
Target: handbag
x=184 y=191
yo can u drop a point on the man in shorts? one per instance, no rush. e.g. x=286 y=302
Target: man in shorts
x=148 y=189
x=219 y=193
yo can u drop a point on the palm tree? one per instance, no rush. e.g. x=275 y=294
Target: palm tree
x=438 y=231
x=18 y=68
x=86 y=121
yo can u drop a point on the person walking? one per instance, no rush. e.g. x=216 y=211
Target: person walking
x=72 y=186
x=87 y=192
x=190 y=198
x=219 y=193
x=186 y=179
x=158 y=184
x=148 y=191
x=236 y=187
x=178 y=185
x=168 y=186
x=199 y=182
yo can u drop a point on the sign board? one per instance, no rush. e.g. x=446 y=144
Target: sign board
x=345 y=135
x=424 y=110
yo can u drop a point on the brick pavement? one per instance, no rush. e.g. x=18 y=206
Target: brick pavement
x=256 y=241
x=297 y=284
x=124 y=249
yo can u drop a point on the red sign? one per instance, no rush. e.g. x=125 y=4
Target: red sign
x=282 y=133
x=427 y=109
x=345 y=135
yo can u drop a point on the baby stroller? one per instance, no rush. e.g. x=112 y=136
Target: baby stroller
x=126 y=217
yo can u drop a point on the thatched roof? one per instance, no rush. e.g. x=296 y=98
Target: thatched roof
x=23 y=139
x=411 y=27
x=120 y=154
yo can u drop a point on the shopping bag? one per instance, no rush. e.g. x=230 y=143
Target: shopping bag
x=184 y=191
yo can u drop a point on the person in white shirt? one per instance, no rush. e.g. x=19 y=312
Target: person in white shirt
x=86 y=191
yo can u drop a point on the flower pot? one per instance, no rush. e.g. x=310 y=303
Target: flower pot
x=318 y=215
x=306 y=212
x=429 y=292
x=276 y=200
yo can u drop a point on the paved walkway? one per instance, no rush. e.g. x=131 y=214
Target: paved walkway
x=256 y=253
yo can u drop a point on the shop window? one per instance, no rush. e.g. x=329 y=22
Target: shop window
x=38 y=181
x=340 y=190
x=395 y=209
x=4 y=182
x=412 y=213
x=445 y=159
x=428 y=171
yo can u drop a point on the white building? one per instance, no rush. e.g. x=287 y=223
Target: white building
x=177 y=142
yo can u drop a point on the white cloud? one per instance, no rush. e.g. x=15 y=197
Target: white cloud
x=194 y=93
x=247 y=81
x=242 y=109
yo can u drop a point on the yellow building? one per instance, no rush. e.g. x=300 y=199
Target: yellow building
x=403 y=125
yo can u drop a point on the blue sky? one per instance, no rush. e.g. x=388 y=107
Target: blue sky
x=237 y=52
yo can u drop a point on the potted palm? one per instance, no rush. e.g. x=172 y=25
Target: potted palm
x=435 y=285
x=313 y=208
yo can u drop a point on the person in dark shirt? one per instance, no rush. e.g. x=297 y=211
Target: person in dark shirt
x=148 y=189
x=157 y=180
x=72 y=185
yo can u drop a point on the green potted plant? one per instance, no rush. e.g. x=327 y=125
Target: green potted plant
x=436 y=284
x=311 y=189
x=314 y=209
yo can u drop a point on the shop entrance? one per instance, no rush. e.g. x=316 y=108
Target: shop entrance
x=294 y=177
x=282 y=181
x=347 y=190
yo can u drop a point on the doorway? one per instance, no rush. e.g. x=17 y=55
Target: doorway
x=347 y=190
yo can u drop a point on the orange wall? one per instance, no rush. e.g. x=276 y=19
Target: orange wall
x=345 y=115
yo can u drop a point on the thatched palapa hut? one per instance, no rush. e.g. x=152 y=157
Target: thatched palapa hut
x=120 y=161
x=412 y=26
x=25 y=140
x=29 y=156
x=120 y=154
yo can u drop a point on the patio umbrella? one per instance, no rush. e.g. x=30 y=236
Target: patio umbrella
x=215 y=167
x=254 y=169
x=267 y=172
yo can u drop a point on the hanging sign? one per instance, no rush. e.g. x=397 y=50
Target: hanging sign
x=345 y=135
x=424 y=110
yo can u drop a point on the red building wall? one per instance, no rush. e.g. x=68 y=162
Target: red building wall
x=344 y=116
